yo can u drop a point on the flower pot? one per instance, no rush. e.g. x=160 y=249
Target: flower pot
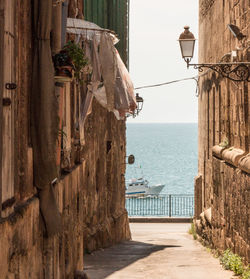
x=64 y=71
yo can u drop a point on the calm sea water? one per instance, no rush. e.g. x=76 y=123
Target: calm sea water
x=164 y=153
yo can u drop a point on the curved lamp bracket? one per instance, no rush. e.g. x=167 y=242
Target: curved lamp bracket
x=233 y=71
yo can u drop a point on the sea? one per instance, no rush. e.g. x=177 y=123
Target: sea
x=165 y=153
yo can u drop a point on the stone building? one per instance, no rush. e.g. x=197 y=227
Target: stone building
x=62 y=150
x=222 y=187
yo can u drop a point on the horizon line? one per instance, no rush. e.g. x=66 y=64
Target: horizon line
x=161 y=122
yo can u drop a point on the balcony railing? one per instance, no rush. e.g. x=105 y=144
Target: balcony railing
x=164 y=205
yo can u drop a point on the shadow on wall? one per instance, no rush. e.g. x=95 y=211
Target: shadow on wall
x=101 y=264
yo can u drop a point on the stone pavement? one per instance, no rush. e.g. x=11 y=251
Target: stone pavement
x=157 y=251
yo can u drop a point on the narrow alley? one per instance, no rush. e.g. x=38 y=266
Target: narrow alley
x=116 y=111
x=157 y=251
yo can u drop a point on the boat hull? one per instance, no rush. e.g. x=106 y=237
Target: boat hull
x=136 y=191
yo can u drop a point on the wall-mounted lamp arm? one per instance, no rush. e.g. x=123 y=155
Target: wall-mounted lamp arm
x=236 y=71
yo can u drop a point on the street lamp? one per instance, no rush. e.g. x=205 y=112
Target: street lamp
x=131 y=159
x=139 y=104
x=236 y=71
x=187 y=42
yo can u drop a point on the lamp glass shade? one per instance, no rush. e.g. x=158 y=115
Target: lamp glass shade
x=187 y=47
x=139 y=103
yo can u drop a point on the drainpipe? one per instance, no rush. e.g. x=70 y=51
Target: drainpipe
x=1 y=101
x=56 y=41
x=64 y=21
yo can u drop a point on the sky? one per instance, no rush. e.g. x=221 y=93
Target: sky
x=155 y=57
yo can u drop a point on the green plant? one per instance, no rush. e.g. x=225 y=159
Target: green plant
x=224 y=143
x=246 y=273
x=209 y=250
x=77 y=57
x=192 y=231
x=232 y=262
x=225 y=259
x=216 y=253
x=213 y=251
x=237 y=265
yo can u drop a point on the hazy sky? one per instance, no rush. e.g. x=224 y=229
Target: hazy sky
x=155 y=57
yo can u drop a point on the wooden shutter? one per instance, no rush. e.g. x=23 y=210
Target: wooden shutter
x=7 y=117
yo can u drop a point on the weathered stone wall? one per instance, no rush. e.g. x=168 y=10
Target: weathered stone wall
x=21 y=243
x=90 y=196
x=224 y=119
x=104 y=196
x=230 y=210
x=91 y=202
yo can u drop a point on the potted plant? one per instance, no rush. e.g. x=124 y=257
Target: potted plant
x=63 y=64
x=71 y=57
x=77 y=55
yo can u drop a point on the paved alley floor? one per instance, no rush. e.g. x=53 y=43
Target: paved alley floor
x=157 y=251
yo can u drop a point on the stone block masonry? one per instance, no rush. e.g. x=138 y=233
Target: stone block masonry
x=222 y=185
x=90 y=191
x=91 y=220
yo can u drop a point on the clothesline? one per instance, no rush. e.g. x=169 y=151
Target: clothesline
x=93 y=29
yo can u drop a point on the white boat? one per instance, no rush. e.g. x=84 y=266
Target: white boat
x=139 y=187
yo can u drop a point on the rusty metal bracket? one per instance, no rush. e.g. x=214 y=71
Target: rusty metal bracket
x=10 y=86
x=8 y=203
x=236 y=71
x=6 y=102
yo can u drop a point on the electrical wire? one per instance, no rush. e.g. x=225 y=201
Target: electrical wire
x=196 y=78
x=165 y=83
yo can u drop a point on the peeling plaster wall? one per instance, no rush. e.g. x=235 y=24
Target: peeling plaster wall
x=223 y=181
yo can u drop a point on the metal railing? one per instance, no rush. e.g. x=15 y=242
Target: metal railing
x=164 y=205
